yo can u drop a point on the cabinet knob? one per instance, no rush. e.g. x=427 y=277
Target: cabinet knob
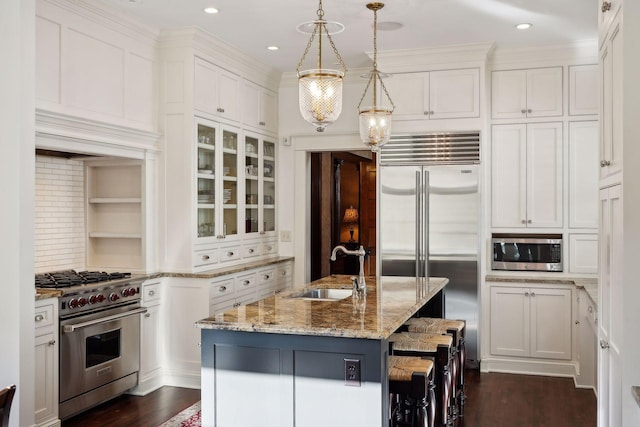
x=426 y=113
x=222 y=288
x=266 y=277
x=604 y=345
x=528 y=221
x=533 y=294
x=147 y=315
x=152 y=292
x=205 y=257
x=220 y=110
x=524 y=221
x=262 y=124
x=529 y=111
x=230 y=254
x=246 y=283
x=523 y=111
x=251 y=251
x=577 y=322
x=52 y=342
x=269 y=248
x=526 y=294
x=431 y=113
x=39 y=317
x=284 y=273
x=606 y=6
x=604 y=163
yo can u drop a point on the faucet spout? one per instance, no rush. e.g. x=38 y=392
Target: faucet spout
x=359 y=284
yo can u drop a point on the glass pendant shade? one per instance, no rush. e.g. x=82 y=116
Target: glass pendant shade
x=375 y=121
x=320 y=89
x=320 y=96
x=375 y=126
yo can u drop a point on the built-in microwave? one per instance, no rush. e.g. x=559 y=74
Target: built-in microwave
x=527 y=252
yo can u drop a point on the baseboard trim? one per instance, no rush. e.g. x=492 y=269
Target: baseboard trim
x=530 y=367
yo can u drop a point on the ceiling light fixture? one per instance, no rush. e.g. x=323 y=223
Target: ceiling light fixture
x=524 y=26
x=320 y=89
x=210 y=10
x=375 y=120
x=272 y=48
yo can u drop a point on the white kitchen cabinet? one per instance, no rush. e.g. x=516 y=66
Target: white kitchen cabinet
x=46 y=363
x=611 y=336
x=611 y=93
x=151 y=335
x=583 y=90
x=445 y=94
x=526 y=175
x=259 y=107
x=216 y=90
x=583 y=253
x=607 y=11
x=587 y=341
x=260 y=185
x=583 y=174
x=517 y=94
x=532 y=322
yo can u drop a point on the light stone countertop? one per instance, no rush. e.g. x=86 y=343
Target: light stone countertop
x=588 y=284
x=389 y=302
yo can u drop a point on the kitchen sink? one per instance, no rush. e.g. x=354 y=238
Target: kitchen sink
x=323 y=294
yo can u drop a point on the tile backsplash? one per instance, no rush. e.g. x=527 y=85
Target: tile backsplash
x=59 y=214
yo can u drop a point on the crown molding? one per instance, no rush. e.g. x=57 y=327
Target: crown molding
x=583 y=51
x=62 y=132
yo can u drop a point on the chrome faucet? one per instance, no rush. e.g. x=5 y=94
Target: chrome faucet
x=359 y=284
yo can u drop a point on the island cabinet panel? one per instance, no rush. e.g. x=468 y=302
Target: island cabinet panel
x=282 y=377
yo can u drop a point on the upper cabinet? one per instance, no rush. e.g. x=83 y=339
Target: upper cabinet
x=260 y=185
x=216 y=90
x=607 y=11
x=611 y=99
x=445 y=94
x=526 y=175
x=259 y=108
x=583 y=90
x=517 y=94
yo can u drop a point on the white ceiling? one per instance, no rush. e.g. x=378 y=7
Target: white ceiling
x=252 y=25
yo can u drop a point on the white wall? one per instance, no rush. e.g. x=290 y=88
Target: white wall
x=17 y=108
x=59 y=214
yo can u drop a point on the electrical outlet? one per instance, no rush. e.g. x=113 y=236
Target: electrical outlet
x=352 y=372
x=285 y=236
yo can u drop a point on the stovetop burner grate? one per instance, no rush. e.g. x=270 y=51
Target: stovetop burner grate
x=67 y=278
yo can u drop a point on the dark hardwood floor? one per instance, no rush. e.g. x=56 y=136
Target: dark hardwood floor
x=493 y=400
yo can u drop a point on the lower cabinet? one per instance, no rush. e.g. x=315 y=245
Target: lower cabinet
x=587 y=341
x=46 y=362
x=150 y=375
x=532 y=322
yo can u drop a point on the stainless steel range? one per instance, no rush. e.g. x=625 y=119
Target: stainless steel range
x=99 y=336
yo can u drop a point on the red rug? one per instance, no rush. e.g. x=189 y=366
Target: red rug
x=190 y=417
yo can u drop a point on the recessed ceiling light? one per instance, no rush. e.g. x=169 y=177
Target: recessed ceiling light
x=210 y=10
x=524 y=26
x=272 y=48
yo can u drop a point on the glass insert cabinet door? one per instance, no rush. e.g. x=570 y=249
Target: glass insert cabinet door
x=217 y=180
x=269 y=186
x=251 y=184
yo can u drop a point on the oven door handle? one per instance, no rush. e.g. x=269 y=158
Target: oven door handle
x=70 y=328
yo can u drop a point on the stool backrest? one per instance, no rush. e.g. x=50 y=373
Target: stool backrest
x=6 y=397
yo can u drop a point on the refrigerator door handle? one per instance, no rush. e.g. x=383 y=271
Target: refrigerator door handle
x=425 y=223
x=418 y=239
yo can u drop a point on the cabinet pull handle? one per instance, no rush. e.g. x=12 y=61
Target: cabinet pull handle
x=52 y=342
x=236 y=305
x=590 y=309
x=251 y=250
x=577 y=322
x=205 y=257
x=604 y=345
x=220 y=236
x=220 y=110
x=606 y=6
x=266 y=277
x=147 y=315
x=524 y=221
x=528 y=221
x=605 y=163
x=230 y=254
x=431 y=113
x=263 y=232
x=523 y=111
x=533 y=294
x=529 y=111
x=222 y=288
x=152 y=293
x=269 y=248
x=262 y=124
x=284 y=273
x=426 y=113
x=39 y=317
x=526 y=294
x=246 y=283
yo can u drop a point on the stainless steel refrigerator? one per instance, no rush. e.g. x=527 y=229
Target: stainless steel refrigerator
x=429 y=218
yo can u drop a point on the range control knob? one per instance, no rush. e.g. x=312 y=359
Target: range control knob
x=125 y=292
x=133 y=291
x=113 y=297
x=93 y=299
x=100 y=298
x=73 y=303
x=82 y=301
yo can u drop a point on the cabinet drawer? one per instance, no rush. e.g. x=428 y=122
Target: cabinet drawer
x=222 y=290
x=266 y=277
x=229 y=253
x=245 y=282
x=269 y=248
x=283 y=273
x=250 y=251
x=205 y=257
x=150 y=292
x=43 y=317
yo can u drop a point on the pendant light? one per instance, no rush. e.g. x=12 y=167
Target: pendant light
x=320 y=89
x=375 y=120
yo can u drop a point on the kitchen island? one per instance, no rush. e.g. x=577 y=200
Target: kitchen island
x=287 y=361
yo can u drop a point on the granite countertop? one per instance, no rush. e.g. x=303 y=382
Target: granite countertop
x=44 y=293
x=590 y=285
x=389 y=302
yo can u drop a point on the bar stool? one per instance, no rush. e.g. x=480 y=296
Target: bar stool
x=6 y=397
x=457 y=330
x=440 y=349
x=411 y=387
